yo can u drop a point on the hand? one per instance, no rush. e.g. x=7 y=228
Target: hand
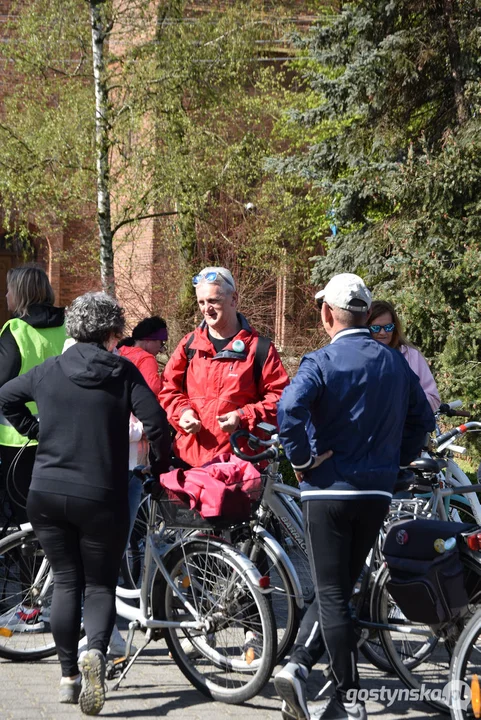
x=229 y=422
x=318 y=461
x=189 y=422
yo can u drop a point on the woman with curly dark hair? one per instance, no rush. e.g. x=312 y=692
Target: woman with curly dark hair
x=78 y=503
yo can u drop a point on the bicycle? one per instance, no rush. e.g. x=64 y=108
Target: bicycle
x=279 y=518
x=202 y=595
x=420 y=655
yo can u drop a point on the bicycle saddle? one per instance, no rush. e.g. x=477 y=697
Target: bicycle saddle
x=428 y=465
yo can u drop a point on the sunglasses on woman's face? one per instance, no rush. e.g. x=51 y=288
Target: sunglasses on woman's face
x=377 y=328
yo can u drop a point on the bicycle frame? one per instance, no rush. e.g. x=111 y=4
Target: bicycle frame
x=154 y=558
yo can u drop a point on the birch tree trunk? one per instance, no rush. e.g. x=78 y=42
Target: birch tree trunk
x=100 y=30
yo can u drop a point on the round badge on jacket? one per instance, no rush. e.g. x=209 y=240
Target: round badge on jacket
x=238 y=346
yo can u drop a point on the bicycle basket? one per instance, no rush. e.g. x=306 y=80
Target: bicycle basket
x=221 y=492
x=178 y=514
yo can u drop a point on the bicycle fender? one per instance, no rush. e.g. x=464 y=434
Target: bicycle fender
x=247 y=565
x=277 y=553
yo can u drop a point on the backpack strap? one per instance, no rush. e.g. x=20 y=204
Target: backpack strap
x=262 y=351
x=190 y=352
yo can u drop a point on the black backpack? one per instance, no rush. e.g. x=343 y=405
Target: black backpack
x=262 y=350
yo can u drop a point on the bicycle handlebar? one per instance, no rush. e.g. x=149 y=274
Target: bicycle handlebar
x=451 y=409
x=150 y=484
x=460 y=430
x=270 y=454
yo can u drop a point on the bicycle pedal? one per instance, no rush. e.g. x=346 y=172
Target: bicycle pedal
x=115 y=668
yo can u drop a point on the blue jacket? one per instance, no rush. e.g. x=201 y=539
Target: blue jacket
x=361 y=400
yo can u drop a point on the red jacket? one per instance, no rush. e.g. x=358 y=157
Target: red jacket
x=215 y=386
x=146 y=363
x=224 y=488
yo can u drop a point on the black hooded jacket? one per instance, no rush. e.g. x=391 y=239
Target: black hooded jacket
x=39 y=316
x=84 y=399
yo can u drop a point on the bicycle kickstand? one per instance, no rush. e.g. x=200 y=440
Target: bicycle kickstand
x=127 y=661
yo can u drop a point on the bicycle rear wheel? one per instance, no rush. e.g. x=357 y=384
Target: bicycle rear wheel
x=231 y=658
x=418 y=655
x=26 y=588
x=465 y=670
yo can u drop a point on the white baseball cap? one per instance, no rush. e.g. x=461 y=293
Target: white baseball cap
x=346 y=291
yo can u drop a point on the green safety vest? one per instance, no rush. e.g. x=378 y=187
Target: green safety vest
x=35 y=345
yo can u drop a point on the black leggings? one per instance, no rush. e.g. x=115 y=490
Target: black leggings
x=84 y=541
x=339 y=535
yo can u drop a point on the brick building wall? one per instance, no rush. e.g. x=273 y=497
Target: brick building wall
x=148 y=271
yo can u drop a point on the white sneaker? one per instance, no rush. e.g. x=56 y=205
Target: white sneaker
x=252 y=649
x=22 y=619
x=117 y=646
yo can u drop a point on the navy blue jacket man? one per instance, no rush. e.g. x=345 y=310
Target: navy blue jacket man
x=352 y=415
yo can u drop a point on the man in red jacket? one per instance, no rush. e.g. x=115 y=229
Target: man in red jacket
x=215 y=382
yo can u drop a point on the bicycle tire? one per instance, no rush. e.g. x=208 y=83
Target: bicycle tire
x=282 y=599
x=297 y=554
x=420 y=661
x=23 y=578
x=216 y=662
x=465 y=663
x=133 y=559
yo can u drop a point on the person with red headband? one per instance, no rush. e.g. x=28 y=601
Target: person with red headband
x=148 y=339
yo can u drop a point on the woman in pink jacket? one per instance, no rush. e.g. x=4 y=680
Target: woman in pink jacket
x=386 y=327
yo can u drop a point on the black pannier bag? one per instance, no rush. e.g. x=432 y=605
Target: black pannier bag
x=427 y=586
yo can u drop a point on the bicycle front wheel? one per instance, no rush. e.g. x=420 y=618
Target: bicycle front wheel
x=231 y=657
x=26 y=587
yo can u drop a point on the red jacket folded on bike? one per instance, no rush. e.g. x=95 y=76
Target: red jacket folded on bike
x=223 y=488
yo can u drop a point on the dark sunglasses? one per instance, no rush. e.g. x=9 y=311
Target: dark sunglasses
x=377 y=328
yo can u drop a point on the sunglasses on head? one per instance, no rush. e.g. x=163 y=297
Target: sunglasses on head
x=210 y=277
x=377 y=328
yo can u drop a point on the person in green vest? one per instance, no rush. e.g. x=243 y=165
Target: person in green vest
x=35 y=333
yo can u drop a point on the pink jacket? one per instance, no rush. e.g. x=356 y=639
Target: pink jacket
x=418 y=364
x=224 y=487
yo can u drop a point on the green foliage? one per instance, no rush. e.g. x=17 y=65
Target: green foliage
x=394 y=153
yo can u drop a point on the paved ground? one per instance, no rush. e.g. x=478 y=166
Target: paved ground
x=156 y=688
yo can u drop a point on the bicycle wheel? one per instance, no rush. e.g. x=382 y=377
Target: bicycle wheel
x=232 y=656
x=296 y=550
x=26 y=588
x=466 y=670
x=460 y=511
x=361 y=602
x=286 y=611
x=133 y=559
x=418 y=655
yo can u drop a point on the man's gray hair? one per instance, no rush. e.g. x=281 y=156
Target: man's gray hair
x=224 y=278
x=348 y=318
x=94 y=317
